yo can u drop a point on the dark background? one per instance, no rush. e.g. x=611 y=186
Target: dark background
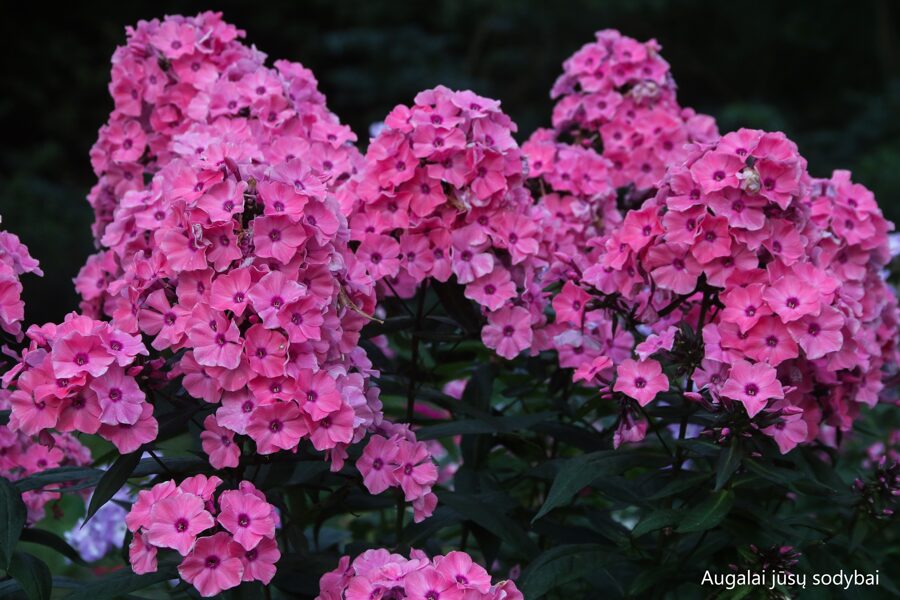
x=823 y=71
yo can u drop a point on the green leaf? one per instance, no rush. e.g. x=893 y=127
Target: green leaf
x=682 y=482
x=480 y=387
x=728 y=463
x=12 y=520
x=560 y=565
x=486 y=514
x=121 y=583
x=112 y=481
x=858 y=533
x=389 y=325
x=582 y=471
x=53 y=541
x=479 y=426
x=32 y=574
x=664 y=517
x=458 y=306
x=86 y=476
x=649 y=578
x=708 y=513
x=772 y=473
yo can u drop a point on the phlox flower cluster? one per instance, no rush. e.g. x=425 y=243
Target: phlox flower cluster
x=616 y=127
x=225 y=537
x=398 y=460
x=82 y=376
x=441 y=195
x=14 y=262
x=780 y=273
x=183 y=71
x=381 y=574
x=617 y=95
x=230 y=248
x=22 y=455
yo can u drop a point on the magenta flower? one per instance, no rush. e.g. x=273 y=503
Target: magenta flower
x=120 y=398
x=142 y=555
x=217 y=342
x=259 y=562
x=673 y=267
x=792 y=298
x=492 y=290
x=248 y=518
x=332 y=429
x=375 y=464
x=78 y=354
x=789 y=431
x=753 y=385
x=176 y=521
x=769 y=341
x=819 y=335
x=277 y=237
x=271 y=294
x=716 y=171
x=277 y=426
x=219 y=444
x=266 y=351
x=214 y=565
x=414 y=469
x=459 y=568
x=382 y=253
x=431 y=584
x=231 y=291
x=640 y=380
x=129 y=437
x=508 y=331
x=745 y=306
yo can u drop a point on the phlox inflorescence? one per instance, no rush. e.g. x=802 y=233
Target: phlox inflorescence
x=380 y=573
x=244 y=241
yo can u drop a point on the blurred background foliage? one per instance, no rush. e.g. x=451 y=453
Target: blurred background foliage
x=827 y=72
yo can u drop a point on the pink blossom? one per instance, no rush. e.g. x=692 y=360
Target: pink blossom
x=508 y=331
x=789 y=431
x=213 y=565
x=374 y=464
x=248 y=518
x=753 y=385
x=271 y=294
x=176 y=521
x=429 y=583
x=640 y=380
x=276 y=426
x=413 y=469
x=78 y=353
x=492 y=290
x=120 y=398
x=259 y=562
x=219 y=444
x=819 y=335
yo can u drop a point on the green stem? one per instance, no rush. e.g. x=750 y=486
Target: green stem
x=413 y=376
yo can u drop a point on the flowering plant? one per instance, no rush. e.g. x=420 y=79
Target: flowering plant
x=625 y=353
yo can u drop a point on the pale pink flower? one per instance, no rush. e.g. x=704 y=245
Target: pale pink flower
x=753 y=385
x=248 y=518
x=508 y=331
x=640 y=380
x=176 y=520
x=214 y=565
